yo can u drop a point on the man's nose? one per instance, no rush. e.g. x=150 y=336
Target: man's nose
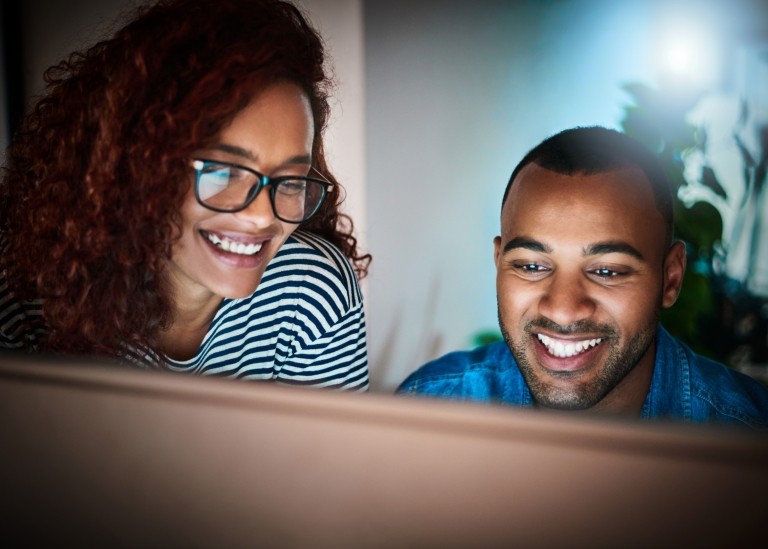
x=566 y=299
x=259 y=212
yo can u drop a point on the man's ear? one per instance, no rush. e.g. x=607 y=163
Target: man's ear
x=674 y=269
x=496 y=250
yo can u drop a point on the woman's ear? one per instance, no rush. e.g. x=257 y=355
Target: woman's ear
x=674 y=270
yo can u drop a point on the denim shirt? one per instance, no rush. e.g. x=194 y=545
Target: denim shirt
x=685 y=386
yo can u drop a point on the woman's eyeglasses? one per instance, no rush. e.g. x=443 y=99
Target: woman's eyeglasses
x=225 y=187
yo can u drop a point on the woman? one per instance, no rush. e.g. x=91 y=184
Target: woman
x=168 y=202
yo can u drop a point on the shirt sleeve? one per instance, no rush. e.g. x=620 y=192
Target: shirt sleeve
x=337 y=359
x=327 y=345
x=20 y=321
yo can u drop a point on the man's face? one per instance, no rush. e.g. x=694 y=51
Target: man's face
x=583 y=269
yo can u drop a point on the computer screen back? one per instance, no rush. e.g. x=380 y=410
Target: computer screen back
x=95 y=455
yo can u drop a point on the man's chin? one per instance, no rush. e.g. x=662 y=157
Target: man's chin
x=571 y=391
x=559 y=400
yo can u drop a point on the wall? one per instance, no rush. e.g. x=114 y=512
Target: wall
x=54 y=29
x=340 y=22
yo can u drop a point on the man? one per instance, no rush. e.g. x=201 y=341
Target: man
x=585 y=262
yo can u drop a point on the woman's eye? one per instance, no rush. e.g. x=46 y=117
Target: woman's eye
x=215 y=178
x=292 y=186
x=239 y=175
x=215 y=170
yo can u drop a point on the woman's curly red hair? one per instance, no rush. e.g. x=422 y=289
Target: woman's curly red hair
x=94 y=179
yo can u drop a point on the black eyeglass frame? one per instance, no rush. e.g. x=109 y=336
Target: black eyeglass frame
x=253 y=192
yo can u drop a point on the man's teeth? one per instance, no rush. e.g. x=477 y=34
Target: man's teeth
x=233 y=247
x=561 y=350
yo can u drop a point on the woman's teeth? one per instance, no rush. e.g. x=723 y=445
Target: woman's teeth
x=233 y=247
x=562 y=350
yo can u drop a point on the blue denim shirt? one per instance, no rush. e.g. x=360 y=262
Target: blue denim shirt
x=685 y=386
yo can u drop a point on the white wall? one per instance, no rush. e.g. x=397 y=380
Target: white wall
x=340 y=22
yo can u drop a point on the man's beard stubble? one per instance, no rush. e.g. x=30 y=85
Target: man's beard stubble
x=616 y=366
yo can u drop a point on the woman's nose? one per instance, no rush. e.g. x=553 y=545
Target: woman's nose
x=260 y=211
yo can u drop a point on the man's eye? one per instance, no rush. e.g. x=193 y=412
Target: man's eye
x=530 y=267
x=606 y=273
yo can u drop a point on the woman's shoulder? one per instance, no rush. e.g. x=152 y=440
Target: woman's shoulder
x=310 y=246
x=20 y=321
x=313 y=259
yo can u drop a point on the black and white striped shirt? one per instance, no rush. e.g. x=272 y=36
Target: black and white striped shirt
x=304 y=325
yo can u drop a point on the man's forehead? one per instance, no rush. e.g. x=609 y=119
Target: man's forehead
x=535 y=184
x=615 y=205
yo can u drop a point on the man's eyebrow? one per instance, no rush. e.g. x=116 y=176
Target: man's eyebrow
x=526 y=243
x=598 y=248
x=303 y=159
x=611 y=247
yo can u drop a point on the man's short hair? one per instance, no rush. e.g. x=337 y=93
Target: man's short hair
x=593 y=150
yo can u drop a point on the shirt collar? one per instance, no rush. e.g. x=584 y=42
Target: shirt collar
x=670 y=391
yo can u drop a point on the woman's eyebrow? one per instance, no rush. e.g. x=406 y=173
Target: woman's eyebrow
x=235 y=150
x=304 y=159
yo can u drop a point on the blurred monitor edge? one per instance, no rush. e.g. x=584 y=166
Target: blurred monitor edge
x=104 y=456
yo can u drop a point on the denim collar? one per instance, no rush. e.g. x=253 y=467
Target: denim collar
x=670 y=391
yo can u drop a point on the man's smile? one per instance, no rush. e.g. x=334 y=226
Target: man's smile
x=567 y=348
x=569 y=352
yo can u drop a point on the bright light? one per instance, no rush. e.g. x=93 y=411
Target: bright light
x=687 y=54
x=679 y=58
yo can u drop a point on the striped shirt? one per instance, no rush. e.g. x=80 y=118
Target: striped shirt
x=304 y=324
